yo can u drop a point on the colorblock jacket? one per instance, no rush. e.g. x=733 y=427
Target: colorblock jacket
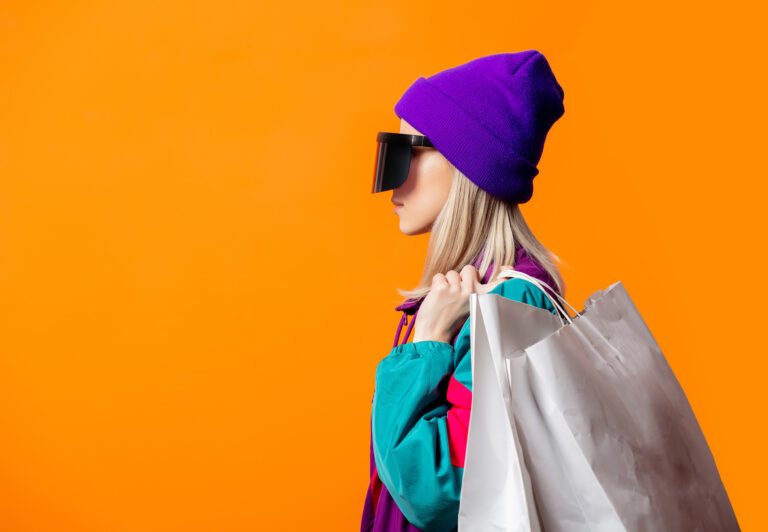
x=420 y=419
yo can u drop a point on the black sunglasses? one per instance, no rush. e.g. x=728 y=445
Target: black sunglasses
x=393 y=158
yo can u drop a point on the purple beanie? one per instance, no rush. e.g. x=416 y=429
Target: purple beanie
x=489 y=118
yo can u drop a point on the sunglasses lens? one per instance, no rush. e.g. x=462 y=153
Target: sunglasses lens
x=392 y=164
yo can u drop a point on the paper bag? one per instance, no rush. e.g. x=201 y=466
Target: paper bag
x=579 y=424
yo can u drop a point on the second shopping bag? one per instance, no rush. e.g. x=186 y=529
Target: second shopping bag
x=579 y=424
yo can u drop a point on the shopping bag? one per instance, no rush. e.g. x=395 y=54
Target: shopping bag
x=579 y=424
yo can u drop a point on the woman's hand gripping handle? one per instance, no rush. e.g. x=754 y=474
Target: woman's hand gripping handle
x=446 y=307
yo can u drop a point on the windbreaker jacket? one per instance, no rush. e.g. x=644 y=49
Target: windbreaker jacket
x=420 y=419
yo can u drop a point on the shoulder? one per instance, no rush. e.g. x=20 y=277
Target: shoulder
x=515 y=289
x=525 y=292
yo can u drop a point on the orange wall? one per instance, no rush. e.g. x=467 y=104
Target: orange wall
x=196 y=283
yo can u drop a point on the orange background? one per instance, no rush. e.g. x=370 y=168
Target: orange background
x=197 y=284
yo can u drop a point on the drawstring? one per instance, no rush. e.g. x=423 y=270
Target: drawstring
x=399 y=328
x=410 y=326
x=404 y=320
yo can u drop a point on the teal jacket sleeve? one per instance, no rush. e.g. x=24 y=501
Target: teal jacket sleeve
x=410 y=418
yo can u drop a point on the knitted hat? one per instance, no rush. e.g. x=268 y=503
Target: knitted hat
x=489 y=118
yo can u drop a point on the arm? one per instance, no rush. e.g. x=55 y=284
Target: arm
x=410 y=434
x=419 y=434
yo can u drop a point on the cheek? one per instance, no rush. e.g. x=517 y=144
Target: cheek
x=423 y=209
x=437 y=182
x=427 y=189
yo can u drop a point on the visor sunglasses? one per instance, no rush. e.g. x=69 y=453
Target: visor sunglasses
x=393 y=158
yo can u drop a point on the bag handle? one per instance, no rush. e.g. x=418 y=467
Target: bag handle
x=538 y=284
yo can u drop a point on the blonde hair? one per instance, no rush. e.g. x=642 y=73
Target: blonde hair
x=473 y=222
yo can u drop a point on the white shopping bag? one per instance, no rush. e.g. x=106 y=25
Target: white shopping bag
x=579 y=424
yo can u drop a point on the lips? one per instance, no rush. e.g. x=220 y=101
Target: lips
x=397 y=203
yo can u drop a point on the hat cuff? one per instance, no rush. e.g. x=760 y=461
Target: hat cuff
x=490 y=163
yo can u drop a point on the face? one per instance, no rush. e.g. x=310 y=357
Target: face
x=425 y=191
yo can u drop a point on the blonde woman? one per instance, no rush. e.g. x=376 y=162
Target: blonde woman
x=464 y=159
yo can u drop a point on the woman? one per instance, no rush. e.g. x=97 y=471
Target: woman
x=465 y=158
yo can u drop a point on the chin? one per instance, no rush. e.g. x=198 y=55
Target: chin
x=411 y=230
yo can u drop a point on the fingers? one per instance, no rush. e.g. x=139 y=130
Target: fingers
x=485 y=288
x=453 y=278
x=502 y=268
x=469 y=278
x=439 y=281
x=465 y=280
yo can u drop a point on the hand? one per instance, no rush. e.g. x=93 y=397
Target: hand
x=446 y=307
